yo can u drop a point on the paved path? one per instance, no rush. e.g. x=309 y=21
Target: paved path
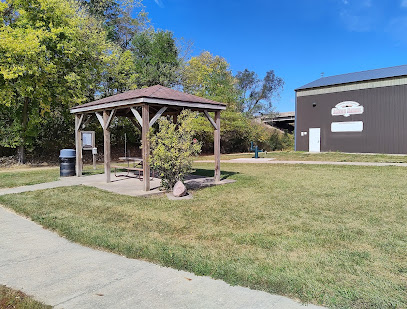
x=122 y=185
x=66 y=275
x=131 y=186
x=273 y=161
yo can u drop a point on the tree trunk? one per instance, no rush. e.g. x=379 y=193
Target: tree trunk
x=24 y=121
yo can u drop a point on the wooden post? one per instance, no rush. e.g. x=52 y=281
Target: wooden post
x=216 y=146
x=175 y=118
x=94 y=160
x=146 y=146
x=78 y=144
x=106 y=144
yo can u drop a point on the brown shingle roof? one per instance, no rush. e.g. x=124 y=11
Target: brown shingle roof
x=156 y=92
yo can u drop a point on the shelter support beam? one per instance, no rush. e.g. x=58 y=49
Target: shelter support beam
x=106 y=144
x=156 y=116
x=100 y=118
x=137 y=115
x=86 y=122
x=210 y=119
x=146 y=146
x=78 y=144
x=216 y=141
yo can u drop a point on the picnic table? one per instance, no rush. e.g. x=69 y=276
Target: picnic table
x=134 y=164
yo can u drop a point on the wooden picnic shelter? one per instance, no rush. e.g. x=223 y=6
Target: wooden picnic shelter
x=143 y=107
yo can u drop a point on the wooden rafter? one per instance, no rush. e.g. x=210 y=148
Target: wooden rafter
x=109 y=120
x=158 y=115
x=100 y=118
x=137 y=115
x=79 y=122
x=85 y=123
x=210 y=120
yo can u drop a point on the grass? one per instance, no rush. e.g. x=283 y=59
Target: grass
x=20 y=176
x=332 y=235
x=12 y=299
x=324 y=156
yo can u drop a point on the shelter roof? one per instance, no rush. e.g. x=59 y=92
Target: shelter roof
x=396 y=71
x=157 y=94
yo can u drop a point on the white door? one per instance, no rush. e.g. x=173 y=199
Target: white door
x=315 y=140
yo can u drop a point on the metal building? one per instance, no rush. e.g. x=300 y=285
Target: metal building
x=356 y=112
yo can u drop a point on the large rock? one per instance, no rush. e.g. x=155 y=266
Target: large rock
x=179 y=189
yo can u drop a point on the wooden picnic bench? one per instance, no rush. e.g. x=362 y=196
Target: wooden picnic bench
x=137 y=166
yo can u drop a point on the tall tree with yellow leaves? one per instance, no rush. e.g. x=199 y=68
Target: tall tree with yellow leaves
x=52 y=54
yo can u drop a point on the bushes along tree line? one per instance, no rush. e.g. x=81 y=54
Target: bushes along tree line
x=57 y=53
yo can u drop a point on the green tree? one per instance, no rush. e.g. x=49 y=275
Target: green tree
x=172 y=148
x=52 y=55
x=120 y=74
x=209 y=77
x=116 y=17
x=256 y=95
x=156 y=58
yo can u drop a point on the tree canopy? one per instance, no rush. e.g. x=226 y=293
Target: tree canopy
x=52 y=54
x=255 y=94
x=156 y=58
x=210 y=77
x=58 y=53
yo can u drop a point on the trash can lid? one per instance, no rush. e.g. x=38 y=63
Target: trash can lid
x=67 y=153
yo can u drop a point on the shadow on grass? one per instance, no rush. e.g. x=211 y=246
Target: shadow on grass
x=210 y=173
x=89 y=172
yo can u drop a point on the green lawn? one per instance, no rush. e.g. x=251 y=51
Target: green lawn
x=16 y=177
x=12 y=299
x=324 y=156
x=23 y=176
x=332 y=235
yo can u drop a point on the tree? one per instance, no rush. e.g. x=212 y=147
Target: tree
x=117 y=19
x=52 y=55
x=120 y=74
x=256 y=95
x=172 y=148
x=209 y=77
x=156 y=58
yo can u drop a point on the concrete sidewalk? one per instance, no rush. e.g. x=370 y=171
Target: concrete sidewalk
x=66 y=275
x=131 y=186
x=273 y=161
x=123 y=185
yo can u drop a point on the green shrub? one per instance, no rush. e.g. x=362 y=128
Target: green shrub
x=172 y=148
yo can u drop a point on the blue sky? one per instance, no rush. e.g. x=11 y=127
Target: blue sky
x=298 y=39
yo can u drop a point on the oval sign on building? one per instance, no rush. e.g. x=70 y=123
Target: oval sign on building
x=347 y=108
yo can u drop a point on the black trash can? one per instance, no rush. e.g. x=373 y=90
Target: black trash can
x=67 y=158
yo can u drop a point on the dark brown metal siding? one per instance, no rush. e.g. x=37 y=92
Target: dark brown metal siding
x=384 y=120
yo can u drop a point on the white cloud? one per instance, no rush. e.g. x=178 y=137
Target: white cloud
x=359 y=16
x=357 y=23
x=159 y=3
x=403 y=3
